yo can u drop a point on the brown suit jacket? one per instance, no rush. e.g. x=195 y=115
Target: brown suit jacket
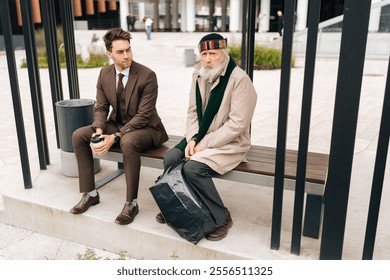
x=140 y=98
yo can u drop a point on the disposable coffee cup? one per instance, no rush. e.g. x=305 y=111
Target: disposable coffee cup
x=96 y=141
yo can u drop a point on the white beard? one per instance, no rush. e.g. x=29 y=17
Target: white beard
x=211 y=75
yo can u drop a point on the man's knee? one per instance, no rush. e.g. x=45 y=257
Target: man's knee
x=81 y=135
x=130 y=145
x=194 y=169
x=172 y=157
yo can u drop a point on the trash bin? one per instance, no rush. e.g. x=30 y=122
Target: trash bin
x=189 y=57
x=71 y=115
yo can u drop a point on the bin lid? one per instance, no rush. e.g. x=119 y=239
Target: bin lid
x=75 y=102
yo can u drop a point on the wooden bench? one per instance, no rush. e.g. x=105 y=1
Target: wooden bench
x=259 y=170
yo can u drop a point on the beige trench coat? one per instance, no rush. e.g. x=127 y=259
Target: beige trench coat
x=227 y=141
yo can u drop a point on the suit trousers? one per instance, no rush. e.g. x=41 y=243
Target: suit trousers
x=131 y=145
x=199 y=175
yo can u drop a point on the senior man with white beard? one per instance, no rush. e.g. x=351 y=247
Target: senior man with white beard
x=221 y=106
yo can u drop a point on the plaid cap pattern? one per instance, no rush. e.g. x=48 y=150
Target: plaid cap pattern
x=212 y=44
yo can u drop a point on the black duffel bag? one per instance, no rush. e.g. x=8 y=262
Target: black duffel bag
x=180 y=206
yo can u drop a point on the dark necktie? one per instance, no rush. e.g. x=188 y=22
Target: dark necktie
x=120 y=90
x=120 y=84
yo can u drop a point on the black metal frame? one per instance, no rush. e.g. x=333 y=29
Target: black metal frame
x=379 y=173
x=289 y=15
x=49 y=24
x=311 y=47
x=35 y=84
x=349 y=81
x=352 y=55
x=251 y=38
x=15 y=92
x=244 y=36
x=67 y=16
x=248 y=36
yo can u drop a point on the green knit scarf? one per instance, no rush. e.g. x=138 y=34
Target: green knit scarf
x=212 y=106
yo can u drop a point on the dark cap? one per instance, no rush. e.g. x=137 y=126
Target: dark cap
x=212 y=41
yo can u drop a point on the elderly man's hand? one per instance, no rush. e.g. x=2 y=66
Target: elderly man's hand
x=190 y=149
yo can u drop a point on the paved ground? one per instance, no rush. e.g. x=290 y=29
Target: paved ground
x=165 y=54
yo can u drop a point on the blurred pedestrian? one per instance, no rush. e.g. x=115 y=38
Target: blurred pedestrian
x=280 y=23
x=130 y=22
x=215 y=22
x=148 y=27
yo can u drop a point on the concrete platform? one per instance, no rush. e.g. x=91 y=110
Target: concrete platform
x=45 y=209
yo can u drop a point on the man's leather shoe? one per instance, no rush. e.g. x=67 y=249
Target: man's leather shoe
x=128 y=214
x=160 y=218
x=222 y=231
x=84 y=204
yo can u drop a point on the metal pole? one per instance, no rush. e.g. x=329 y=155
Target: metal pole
x=314 y=15
x=211 y=15
x=35 y=85
x=379 y=173
x=289 y=11
x=224 y=15
x=13 y=78
x=251 y=37
x=49 y=25
x=349 y=81
x=66 y=7
x=243 y=38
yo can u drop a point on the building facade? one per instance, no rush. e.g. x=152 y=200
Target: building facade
x=192 y=15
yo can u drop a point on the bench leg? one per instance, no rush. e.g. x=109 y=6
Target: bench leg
x=110 y=176
x=313 y=216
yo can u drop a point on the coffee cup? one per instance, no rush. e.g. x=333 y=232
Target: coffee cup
x=96 y=141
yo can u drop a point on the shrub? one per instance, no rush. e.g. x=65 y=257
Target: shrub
x=95 y=60
x=264 y=58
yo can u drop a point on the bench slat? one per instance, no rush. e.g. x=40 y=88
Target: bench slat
x=261 y=160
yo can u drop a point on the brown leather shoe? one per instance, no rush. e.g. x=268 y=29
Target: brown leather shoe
x=160 y=218
x=128 y=214
x=84 y=204
x=222 y=231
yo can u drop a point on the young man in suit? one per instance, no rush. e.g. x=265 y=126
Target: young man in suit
x=134 y=125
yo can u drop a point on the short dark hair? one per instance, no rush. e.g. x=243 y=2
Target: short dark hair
x=115 y=34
